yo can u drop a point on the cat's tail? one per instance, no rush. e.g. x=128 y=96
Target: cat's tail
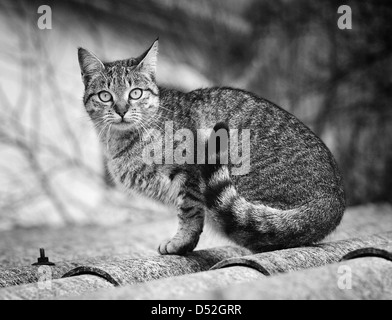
x=260 y=227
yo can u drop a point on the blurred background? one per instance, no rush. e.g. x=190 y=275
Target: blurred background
x=338 y=82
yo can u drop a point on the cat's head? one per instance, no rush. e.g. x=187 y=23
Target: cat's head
x=120 y=95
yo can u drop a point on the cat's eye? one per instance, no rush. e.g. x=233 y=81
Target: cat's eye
x=136 y=94
x=105 y=96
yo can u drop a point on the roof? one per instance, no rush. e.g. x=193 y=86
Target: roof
x=121 y=263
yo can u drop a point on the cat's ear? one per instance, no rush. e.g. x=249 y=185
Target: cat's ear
x=89 y=64
x=147 y=62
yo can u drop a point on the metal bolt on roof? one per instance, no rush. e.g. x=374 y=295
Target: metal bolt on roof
x=43 y=260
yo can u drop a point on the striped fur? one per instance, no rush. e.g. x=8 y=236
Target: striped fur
x=292 y=196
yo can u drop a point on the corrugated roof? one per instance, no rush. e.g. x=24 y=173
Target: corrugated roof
x=122 y=263
x=365 y=276
x=217 y=283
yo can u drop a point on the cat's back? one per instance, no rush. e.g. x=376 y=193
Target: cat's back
x=289 y=164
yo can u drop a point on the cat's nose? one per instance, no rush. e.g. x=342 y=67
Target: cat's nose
x=121 y=110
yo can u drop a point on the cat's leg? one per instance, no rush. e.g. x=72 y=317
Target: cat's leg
x=190 y=223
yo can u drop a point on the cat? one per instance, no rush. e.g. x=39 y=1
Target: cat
x=292 y=195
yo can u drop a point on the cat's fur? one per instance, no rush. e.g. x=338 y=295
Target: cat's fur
x=292 y=196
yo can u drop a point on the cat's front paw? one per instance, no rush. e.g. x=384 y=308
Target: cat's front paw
x=177 y=246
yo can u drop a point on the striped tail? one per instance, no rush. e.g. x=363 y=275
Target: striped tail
x=259 y=227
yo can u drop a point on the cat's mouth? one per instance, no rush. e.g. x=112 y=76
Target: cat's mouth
x=122 y=124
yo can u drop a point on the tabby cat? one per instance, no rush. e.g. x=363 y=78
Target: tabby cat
x=291 y=196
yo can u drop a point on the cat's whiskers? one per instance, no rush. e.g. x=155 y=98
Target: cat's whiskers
x=145 y=134
x=106 y=125
x=100 y=122
x=101 y=131
x=140 y=131
x=155 y=123
x=134 y=117
x=145 y=130
x=162 y=114
x=108 y=138
x=159 y=106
